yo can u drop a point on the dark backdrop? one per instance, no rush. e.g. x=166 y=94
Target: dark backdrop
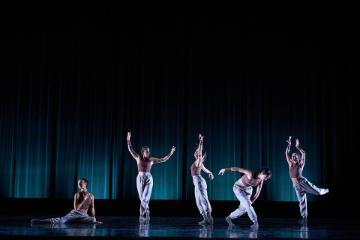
x=75 y=82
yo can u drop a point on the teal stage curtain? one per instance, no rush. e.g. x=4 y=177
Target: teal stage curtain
x=70 y=98
x=52 y=136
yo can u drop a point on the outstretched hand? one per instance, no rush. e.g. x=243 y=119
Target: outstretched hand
x=289 y=141
x=128 y=136
x=211 y=176
x=173 y=149
x=297 y=143
x=221 y=172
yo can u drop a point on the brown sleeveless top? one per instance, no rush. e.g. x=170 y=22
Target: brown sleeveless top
x=253 y=182
x=295 y=170
x=86 y=205
x=144 y=164
x=195 y=171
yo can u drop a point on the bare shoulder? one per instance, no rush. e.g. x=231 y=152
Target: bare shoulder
x=152 y=159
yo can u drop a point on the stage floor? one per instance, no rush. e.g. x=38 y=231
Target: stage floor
x=186 y=228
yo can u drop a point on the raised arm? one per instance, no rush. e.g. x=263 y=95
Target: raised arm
x=131 y=150
x=198 y=152
x=207 y=171
x=257 y=194
x=297 y=145
x=287 y=151
x=201 y=143
x=163 y=159
x=236 y=169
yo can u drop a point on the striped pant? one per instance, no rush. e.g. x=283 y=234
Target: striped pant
x=301 y=189
x=144 y=184
x=243 y=195
x=75 y=216
x=201 y=196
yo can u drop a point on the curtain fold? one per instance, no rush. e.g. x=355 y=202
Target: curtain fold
x=68 y=104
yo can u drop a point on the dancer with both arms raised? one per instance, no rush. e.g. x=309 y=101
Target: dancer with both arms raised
x=144 y=179
x=300 y=183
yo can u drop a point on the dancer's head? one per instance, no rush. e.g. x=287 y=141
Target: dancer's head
x=83 y=183
x=145 y=151
x=264 y=174
x=295 y=157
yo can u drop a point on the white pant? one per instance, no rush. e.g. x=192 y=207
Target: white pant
x=201 y=196
x=144 y=184
x=301 y=188
x=75 y=216
x=243 y=195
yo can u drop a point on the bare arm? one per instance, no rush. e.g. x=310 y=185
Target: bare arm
x=236 y=169
x=131 y=150
x=199 y=150
x=201 y=143
x=76 y=196
x=163 y=159
x=297 y=145
x=257 y=194
x=287 y=151
x=92 y=207
x=207 y=171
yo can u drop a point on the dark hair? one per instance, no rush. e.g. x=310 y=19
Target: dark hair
x=85 y=180
x=266 y=171
x=143 y=148
x=298 y=157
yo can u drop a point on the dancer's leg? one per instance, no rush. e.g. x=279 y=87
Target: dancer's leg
x=301 y=196
x=243 y=195
x=308 y=187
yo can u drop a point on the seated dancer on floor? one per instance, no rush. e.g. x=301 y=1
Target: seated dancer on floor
x=300 y=183
x=243 y=189
x=201 y=195
x=144 y=180
x=83 y=200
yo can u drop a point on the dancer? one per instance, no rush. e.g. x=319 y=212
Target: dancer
x=300 y=183
x=243 y=189
x=144 y=180
x=201 y=195
x=83 y=200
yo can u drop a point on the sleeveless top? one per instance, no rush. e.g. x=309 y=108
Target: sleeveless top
x=86 y=205
x=144 y=164
x=195 y=171
x=295 y=170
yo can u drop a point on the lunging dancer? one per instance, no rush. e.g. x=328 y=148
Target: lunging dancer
x=201 y=195
x=83 y=200
x=300 y=183
x=243 y=189
x=144 y=180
